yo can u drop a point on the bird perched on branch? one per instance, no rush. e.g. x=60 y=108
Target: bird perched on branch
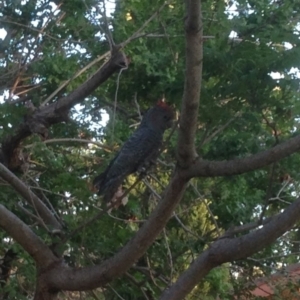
x=138 y=151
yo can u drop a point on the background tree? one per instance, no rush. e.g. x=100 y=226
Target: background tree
x=221 y=206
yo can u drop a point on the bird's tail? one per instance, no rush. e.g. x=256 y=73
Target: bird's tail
x=107 y=188
x=98 y=182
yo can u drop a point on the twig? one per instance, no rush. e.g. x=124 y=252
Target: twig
x=29 y=27
x=167 y=38
x=169 y=255
x=30 y=88
x=286 y=183
x=137 y=284
x=109 y=104
x=101 y=213
x=48 y=191
x=157 y=35
x=78 y=73
x=52 y=208
x=119 y=219
x=94 y=295
x=156 y=180
x=174 y=128
x=31 y=215
x=208 y=209
x=269 y=191
x=66 y=140
x=126 y=221
x=274 y=129
x=138 y=32
x=30 y=197
x=47 y=201
x=145 y=181
x=281 y=200
x=110 y=39
x=185 y=228
x=220 y=129
x=274 y=257
x=116 y=100
x=37 y=211
x=119 y=296
x=148 y=272
x=137 y=105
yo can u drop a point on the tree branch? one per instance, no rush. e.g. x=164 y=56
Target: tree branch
x=108 y=34
x=193 y=74
x=64 y=278
x=57 y=112
x=30 y=198
x=71 y=140
x=77 y=74
x=22 y=234
x=226 y=250
x=204 y=168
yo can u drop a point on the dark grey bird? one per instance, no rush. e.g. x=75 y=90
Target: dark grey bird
x=137 y=152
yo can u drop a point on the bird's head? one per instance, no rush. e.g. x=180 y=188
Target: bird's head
x=160 y=116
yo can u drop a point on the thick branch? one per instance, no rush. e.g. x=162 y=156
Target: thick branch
x=116 y=62
x=65 y=278
x=57 y=112
x=227 y=250
x=22 y=234
x=204 y=168
x=192 y=86
x=41 y=209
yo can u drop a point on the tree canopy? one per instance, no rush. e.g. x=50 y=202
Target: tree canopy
x=221 y=206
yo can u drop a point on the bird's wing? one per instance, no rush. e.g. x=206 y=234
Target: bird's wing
x=138 y=149
x=134 y=153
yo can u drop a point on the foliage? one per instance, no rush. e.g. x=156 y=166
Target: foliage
x=244 y=109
